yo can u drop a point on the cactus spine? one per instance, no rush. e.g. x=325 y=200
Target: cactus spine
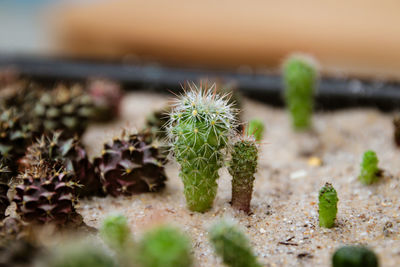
x=199 y=127
x=354 y=256
x=164 y=247
x=369 y=168
x=300 y=78
x=232 y=245
x=242 y=167
x=327 y=206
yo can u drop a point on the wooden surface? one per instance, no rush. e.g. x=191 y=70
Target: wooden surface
x=349 y=37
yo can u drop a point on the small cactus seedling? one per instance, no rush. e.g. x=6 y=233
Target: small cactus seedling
x=232 y=245
x=255 y=128
x=327 y=206
x=242 y=167
x=354 y=256
x=300 y=78
x=116 y=233
x=164 y=247
x=396 y=124
x=370 y=172
x=200 y=124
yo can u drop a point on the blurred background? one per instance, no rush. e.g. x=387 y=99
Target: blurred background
x=353 y=40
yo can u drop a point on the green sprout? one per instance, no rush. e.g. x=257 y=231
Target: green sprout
x=255 y=127
x=232 y=245
x=327 y=206
x=242 y=167
x=115 y=232
x=200 y=125
x=300 y=80
x=370 y=172
x=354 y=256
x=164 y=247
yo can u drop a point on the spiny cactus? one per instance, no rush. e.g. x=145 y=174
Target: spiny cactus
x=242 y=167
x=354 y=256
x=131 y=165
x=69 y=154
x=256 y=128
x=115 y=231
x=46 y=195
x=164 y=247
x=200 y=125
x=370 y=172
x=327 y=206
x=232 y=245
x=300 y=79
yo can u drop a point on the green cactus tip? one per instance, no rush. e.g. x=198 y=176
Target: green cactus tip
x=300 y=81
x=164 y=247
x=232 y=245
x=370 y=172
x=242 y=167
x=200 y=125
x=115 y=231
x=354 y=256
x=256 y=128
x=327 y=206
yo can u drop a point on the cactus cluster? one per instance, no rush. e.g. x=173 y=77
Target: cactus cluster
x=232 y=245
x=200 y=126
x=242 y=167
x=370 y=172
x=131 y=165
x=300 y=81
x=327 y=206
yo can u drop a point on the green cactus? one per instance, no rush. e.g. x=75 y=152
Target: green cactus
x=370 y=172
x=232 y=245
x=164 y=246
x=199 y=127
x=354 y=256
x=327 y=206
x=255 y=127
x=115 y=231
x=300 y=79
x=81 y=255
x=242 y=167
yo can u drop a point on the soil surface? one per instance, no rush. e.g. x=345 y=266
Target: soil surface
x=283 y=227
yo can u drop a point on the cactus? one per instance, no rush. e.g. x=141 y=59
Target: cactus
x=256 y=128
x=200 y=125
x=164 y=247
x=370 y=172
x=232 y=245
x=115 y=231
x=242 y=167
x=354 y=256
x=327 y=206
x=300 y=78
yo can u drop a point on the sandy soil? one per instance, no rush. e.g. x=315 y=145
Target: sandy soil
x=285 y=200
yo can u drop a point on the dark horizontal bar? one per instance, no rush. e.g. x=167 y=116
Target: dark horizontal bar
x=332 y=93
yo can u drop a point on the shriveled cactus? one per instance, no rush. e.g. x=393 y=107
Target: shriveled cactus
x=370 y=172
x=242 y=167
x=164 y=247
x=300 y=80
x=200 y=125
x=232 y=245
x=354 y=256
x=327 y=206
